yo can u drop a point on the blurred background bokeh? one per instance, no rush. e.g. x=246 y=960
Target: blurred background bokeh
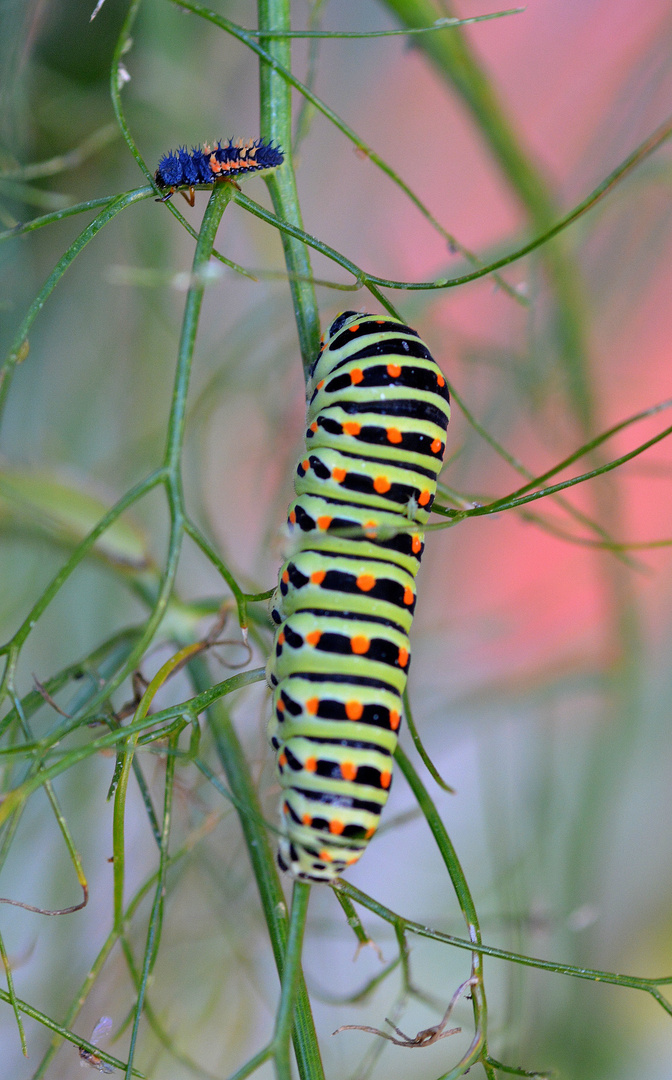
x=541 y=677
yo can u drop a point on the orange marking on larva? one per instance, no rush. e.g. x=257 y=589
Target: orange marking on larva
x=370 y=528
x=354 y=710
x=359 y=644
x=285 y=577
x=318 y=576
x=356 y=376
x=336 y=827
x=324 y=522
x=403 y=656
x=408 y=595
x=369 y=832
x=394 y=435
x=352 y=427
x=325 y=856
x=385 y=779
x=394 y=370
x=312 y=705
x=436 y=446
x=307 y=820
x=280 y=705
x=381 y=484
x=366 y=582
x=215 y=165
x=313 y=637
x=310 y=764
x=282 y=759
x=292 y=517
x=348 y=770
x=320 y=384
x=424 y=497
x=416 y=544
x=440 y=380
x=353 y=329
x=285 y=808
x=305 y=464
x=313 y=427
x=395 y=719
x=281 y=638
x=338 y=475
x=353 y=859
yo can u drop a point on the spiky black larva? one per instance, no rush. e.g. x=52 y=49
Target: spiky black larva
x=378 y=410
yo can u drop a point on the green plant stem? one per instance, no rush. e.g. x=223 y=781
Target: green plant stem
x=291 y=974
x=276 y=126
x=261 y=856
x=156 y=915
x=478 y=1048
x=635 y=982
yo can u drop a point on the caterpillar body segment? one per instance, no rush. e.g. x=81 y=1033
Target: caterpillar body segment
x=378 y=409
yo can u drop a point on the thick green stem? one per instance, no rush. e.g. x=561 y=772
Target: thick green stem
x=275 y=96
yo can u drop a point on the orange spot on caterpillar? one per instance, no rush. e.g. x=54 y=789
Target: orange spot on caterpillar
x=282 y=759
x=285 y=809
x=353 y=859
x=356 y=376
x=336 y=827
x=280 y=705
x=310 y=764
x=325 y=856
x=307 y=820
x=408 y=595
x=305 y=464
x=324 y=522
x=313 y=426
x=320 y=384
x=354 y=710
x=394 y=370
x=370 y=529
x=312 y=705
x=348 y=770
x=424 y=497
x=381 y=484
x=394 y=435
x=281 y=638
x=440 y=380
x=385 y=779
x=436 y=446
x=351 y=427
x=416 y=544
x=366 y=582
x=395 y=719
x=369 y=832
x=318 y=576
x=403 y=656
x=354 y=328
x=292 y=517
x=285 y=576
x=338 y=475
x=359 y=644
x=313 y=637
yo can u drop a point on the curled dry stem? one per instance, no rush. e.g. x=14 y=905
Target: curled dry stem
x=426 y=1037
